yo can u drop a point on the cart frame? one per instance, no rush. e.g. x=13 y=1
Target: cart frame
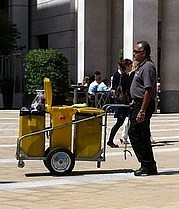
x=99 y=157
x=61 y=154
x=21 y=155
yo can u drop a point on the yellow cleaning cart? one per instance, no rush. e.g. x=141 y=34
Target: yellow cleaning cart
x=74 y=134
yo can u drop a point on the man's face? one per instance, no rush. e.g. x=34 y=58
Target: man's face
x=98 y=78
x=139 y=53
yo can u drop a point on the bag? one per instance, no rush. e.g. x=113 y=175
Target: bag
x=38 y=104
x=126 y=125
x=119 y=96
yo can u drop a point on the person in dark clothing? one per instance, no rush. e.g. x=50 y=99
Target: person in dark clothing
x=117 y=75
x=121 y=77
x=143 y=92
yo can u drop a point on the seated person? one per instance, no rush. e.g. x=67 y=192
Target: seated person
x=97 y=85
x=85 y=82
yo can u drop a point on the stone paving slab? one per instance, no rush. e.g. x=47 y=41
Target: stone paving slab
x=112 y=186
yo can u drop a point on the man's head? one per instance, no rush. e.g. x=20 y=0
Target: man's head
x=141 y=51
x=97 y=76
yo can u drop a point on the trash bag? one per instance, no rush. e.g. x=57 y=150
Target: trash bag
x=38 y=104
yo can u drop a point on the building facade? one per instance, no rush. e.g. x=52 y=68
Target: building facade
x=91 y=33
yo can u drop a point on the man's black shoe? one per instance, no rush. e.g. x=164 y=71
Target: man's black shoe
x=112 y=145
x=146 y=171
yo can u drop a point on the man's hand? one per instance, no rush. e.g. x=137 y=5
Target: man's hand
x=140 y=116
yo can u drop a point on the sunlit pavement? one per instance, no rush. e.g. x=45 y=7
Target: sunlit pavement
x=111 y=186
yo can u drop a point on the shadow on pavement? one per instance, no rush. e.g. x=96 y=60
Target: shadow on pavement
x=7 y=182
x=169 y=172
x=93 y=172
x=75 y=173
x=80 y=173
x=163 y=143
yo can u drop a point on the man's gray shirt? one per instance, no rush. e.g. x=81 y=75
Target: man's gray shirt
x=145 y=76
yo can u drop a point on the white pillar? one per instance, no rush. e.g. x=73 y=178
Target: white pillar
x=80 y=39
x=140 y=23
x=128 y=29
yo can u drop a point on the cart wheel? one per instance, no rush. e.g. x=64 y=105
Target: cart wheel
x=46 y=153
x=60 y=161
x=21 y=164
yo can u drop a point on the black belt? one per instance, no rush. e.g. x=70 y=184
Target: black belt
x=138 y=99
x=141 y=99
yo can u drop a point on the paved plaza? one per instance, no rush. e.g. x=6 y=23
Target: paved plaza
x=113 y=186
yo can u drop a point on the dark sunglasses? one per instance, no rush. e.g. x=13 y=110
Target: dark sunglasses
x=137 y=52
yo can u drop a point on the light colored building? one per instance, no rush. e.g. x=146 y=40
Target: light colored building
x=92 y=32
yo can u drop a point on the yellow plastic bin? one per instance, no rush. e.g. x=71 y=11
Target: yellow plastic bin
x=62 y=137
x=60 y=115
x=33 y=146
x=88 y=134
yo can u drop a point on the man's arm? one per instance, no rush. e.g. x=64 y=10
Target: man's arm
x=146 y=100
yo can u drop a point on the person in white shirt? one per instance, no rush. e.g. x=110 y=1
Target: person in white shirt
x=97 y=85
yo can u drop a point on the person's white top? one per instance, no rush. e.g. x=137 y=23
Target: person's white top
x=94 y=87
x=119 y=71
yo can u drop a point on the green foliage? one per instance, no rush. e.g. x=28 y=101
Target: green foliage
x=120 y=54
x=50 y=63
x=8 y=38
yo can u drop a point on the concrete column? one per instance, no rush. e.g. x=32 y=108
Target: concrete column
x=140 y=23
x=99 y=31
x=116 y=36
x=1 y=101
x=18 y=14
x=169 y=72
x=96 y=33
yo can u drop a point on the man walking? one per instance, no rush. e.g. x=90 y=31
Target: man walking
x=143 y=93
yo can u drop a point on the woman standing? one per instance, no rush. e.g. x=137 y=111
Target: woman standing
x=122 y=77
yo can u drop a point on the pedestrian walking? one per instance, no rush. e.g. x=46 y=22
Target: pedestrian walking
x=122 y=78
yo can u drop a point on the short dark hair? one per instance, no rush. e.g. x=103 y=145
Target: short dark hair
x=97 y=73
x=146 y=47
